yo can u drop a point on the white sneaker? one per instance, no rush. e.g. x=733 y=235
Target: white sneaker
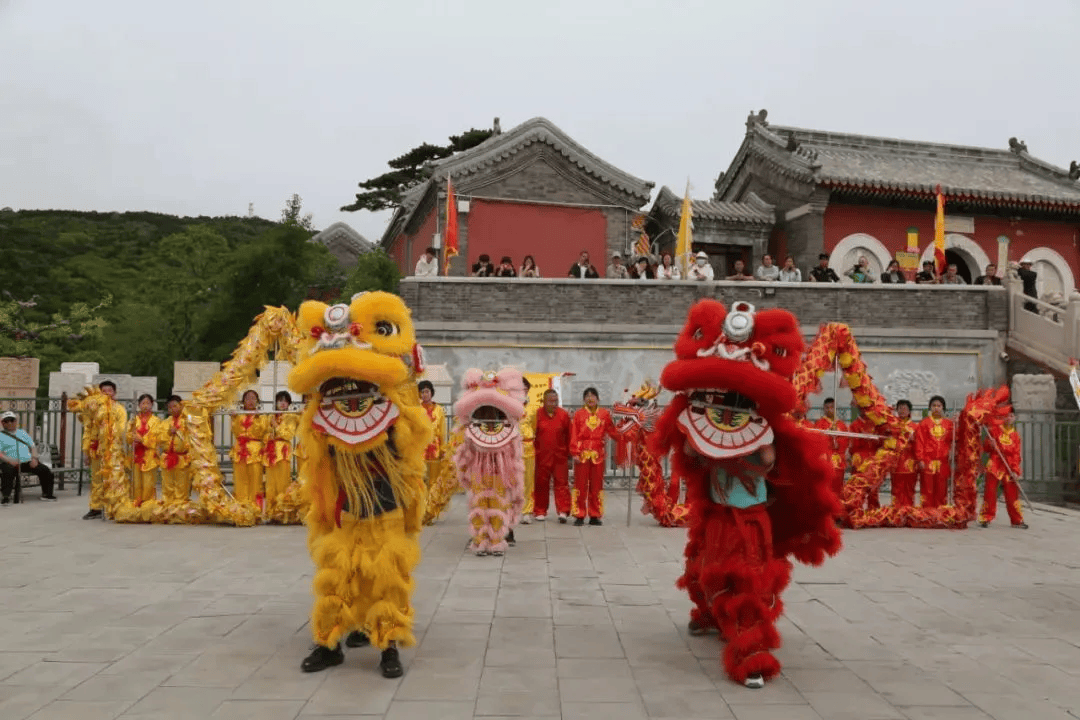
x=541 y=518
x=526 y=519
x=755 y=682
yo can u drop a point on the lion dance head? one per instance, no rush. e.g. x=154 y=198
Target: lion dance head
x=358 y=366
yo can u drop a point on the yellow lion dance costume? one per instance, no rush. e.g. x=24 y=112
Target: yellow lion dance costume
x=365 y=433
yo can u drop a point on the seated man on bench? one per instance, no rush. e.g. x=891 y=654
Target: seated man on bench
x=17 y=455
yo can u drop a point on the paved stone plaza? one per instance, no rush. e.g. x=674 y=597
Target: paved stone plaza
x=104 y=621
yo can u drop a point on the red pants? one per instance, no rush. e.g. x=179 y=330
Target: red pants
x=903 y=489
x=934 y=488
x=559 y=469
x=1012 y=499
x=588 y=496
x=735 y=584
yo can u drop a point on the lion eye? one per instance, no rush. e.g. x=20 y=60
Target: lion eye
x=698 y=335
x=780 y=352
x=386 y=328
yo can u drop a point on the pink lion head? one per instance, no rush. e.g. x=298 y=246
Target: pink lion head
x=491 y=405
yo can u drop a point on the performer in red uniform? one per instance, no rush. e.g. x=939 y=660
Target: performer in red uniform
x=839 y=445
x=933 y=443
x=1007 y=441
x=904 y=475
x=590 y=424
x=862 y=449
x=552 y=444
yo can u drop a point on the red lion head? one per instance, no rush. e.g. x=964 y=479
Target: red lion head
x=733 y=374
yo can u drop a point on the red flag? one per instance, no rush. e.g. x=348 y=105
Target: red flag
x=939 y=234
x=450 y=244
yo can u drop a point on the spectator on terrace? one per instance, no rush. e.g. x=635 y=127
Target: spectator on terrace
x=616 y=270
x=668 y=270
x=766 y=271
x=893 y=275
x=506 y=268
x=927 y=276
x=641 y=270
x=1028 y=277
x=990 y=278
x=427 y=265
x=483 y=267
x=582 y=269
x=740 y=272
x=951 y=278
x=701 y=269
x=528 y=268
x=789 y=273
x=861 y=272
x=823 y=273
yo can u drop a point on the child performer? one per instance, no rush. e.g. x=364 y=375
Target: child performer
x=277 y=458
x=172 y=442
x=141 y=436
x=433 y=455
x=933 y=444
x=249 y=430
x=589 y=449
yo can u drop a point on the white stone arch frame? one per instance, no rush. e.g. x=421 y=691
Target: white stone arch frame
x=975 y=257
x=860 y=241
x=1055 y=260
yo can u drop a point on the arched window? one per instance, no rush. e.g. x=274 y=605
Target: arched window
x=848 y=251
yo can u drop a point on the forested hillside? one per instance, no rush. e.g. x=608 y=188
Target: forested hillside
x=136 y=291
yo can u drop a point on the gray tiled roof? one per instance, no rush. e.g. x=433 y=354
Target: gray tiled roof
x=917 y=168
x=753 y=212
x=343 y=233
x=541 y=130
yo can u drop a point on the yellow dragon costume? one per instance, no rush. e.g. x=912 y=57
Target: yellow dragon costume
x=365 y=434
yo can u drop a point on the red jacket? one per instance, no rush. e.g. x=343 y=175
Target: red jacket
x=906 y=464
x=552 y=440
x=933 y=443
x=838 y=443
x=587 y=433
x=1008 y=441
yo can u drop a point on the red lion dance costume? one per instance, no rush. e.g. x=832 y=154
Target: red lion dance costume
x=489 y=459
x=757 y=484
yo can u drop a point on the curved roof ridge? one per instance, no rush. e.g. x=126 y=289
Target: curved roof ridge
x=540 y=129
x=753 y=210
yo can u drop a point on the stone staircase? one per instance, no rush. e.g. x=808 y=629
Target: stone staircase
x=1045 y=333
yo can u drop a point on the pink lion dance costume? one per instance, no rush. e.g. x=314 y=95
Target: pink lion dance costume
x=757 y=484
x=489 y=459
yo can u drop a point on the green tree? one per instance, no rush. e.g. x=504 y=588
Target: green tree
x=374 y=270
x=291 y=214
x=385 y=191
x=22 y=336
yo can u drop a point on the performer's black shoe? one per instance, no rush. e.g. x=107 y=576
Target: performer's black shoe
x=983 y=523
x=1020 y=526
x=357 y=639
x=510 y=539
x=579 y=522
x=696 y=630
x=322 y=657
x=91 y=515
x=562 y=518
x=390 y=664
x=596 y=521
x=5 y=500
x=754 y=682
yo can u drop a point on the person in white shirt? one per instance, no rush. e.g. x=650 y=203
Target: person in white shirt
x=667 y=269
x=427 y=265
x=701 y=269
x=789 y=273
x=766 y=271
x=616 y=270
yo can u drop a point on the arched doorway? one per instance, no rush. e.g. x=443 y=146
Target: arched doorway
x=952 y=257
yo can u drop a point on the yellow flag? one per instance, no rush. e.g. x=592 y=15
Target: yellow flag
x=686 y=233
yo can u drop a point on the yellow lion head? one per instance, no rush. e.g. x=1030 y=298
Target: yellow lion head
x=358 y=363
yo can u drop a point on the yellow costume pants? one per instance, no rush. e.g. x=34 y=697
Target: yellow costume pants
x=176 y=485
x=97 y=486
x=442 y=485
x=247 y=481
x=143 y=485
x=432 y=472
x=277 y=481
x=363 y=580
x=530 y=484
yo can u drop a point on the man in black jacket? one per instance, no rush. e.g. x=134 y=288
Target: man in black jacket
x=582 y=269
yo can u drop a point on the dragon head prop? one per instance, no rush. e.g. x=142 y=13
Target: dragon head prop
x=491 y=406
x=732 y=375
x=358 y=364
x=640 y=408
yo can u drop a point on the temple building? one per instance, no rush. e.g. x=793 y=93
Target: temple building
x=856 y=195
x=531 y=190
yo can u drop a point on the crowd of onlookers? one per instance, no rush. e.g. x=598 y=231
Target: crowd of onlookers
x=645 y=267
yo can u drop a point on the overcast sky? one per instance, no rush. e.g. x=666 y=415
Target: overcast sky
x=199 y=108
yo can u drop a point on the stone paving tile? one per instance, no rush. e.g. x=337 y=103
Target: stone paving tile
x=166 y=622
